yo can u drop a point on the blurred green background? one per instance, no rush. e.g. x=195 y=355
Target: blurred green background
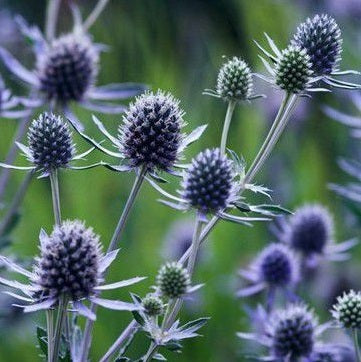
x=178 y=46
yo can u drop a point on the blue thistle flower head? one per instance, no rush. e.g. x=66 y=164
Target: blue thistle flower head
x=292 y=332
x=50 y=142
x=321 y=37
x=69 y=262
x=208 y=183
x=68 y=68
x=310 y=230
x=277 y=266
x=151 y=133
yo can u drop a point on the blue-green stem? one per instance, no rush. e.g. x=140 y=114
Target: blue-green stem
x=62 y=308
x=357 y=348
x=112 y=246
x=54 y=182
x=51 y=19
x=99 y=7
x=227 y=123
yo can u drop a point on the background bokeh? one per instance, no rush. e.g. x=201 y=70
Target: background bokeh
x=178 y=46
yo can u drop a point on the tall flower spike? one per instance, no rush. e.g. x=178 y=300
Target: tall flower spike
x=150 y=135
x=289 y=69
x=65 y=71
x=275 y=267
x=71 y=264
x=50 y=146
x=234 y=82
x=310 y=232
x=321 y=38
x=290 y=333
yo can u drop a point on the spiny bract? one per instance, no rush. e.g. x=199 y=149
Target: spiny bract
x=292 y=332
x=321 y=37
x=152 y=305
x=69 y=262
x=347 y=310
x=50 y=142
x=234 y=80
x=277 y=266
x=151 y=133
x=209 y=182
x=68 y=68
x=310 y=229
x=293 y=70
x=173 y=280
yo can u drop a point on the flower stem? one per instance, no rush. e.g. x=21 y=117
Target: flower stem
x=273 y=135
x=63 y=304
x=227 y=122
x=55 y=195
x=51 y=19
x=100 y=6
x=19 y=196
x=112 y=246
x=357 y=349
x=150 y=353
x=50 y=333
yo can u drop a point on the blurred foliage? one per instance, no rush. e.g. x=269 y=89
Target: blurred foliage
x=178 y=46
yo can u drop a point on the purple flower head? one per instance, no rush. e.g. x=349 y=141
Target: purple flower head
x=309 y=231
x=275 y=267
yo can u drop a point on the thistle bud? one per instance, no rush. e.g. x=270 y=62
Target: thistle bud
x=234 y=80
x=69 y=261
x=321 y=37
x=68 y=68
x=152 y=305
x=208 y=182
x=293 y=70
x=347 y=310
x=151 y=133
x=173 y=280
x=50 y=142
x=292 y=332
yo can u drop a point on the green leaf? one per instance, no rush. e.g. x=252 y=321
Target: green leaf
x=242 y=206
x=159 y=357
x=41 y=335
x=174 y=346
x=138 y=317
x=240 y=163
x=196 y=324
x=276 y=208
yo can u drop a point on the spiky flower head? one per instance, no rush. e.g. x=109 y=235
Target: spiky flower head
x=50 y=142
x=347 y=310
x=277 y=266
x=173 y=280
x=68 y=68
x=292 y=332
x=325 y=355
x=69 y=262
x=151 y=133
x=152 y=305
x=234 y=82
x=310 y=229
x=208 y=183
x=293 y=69
x=321 y=37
